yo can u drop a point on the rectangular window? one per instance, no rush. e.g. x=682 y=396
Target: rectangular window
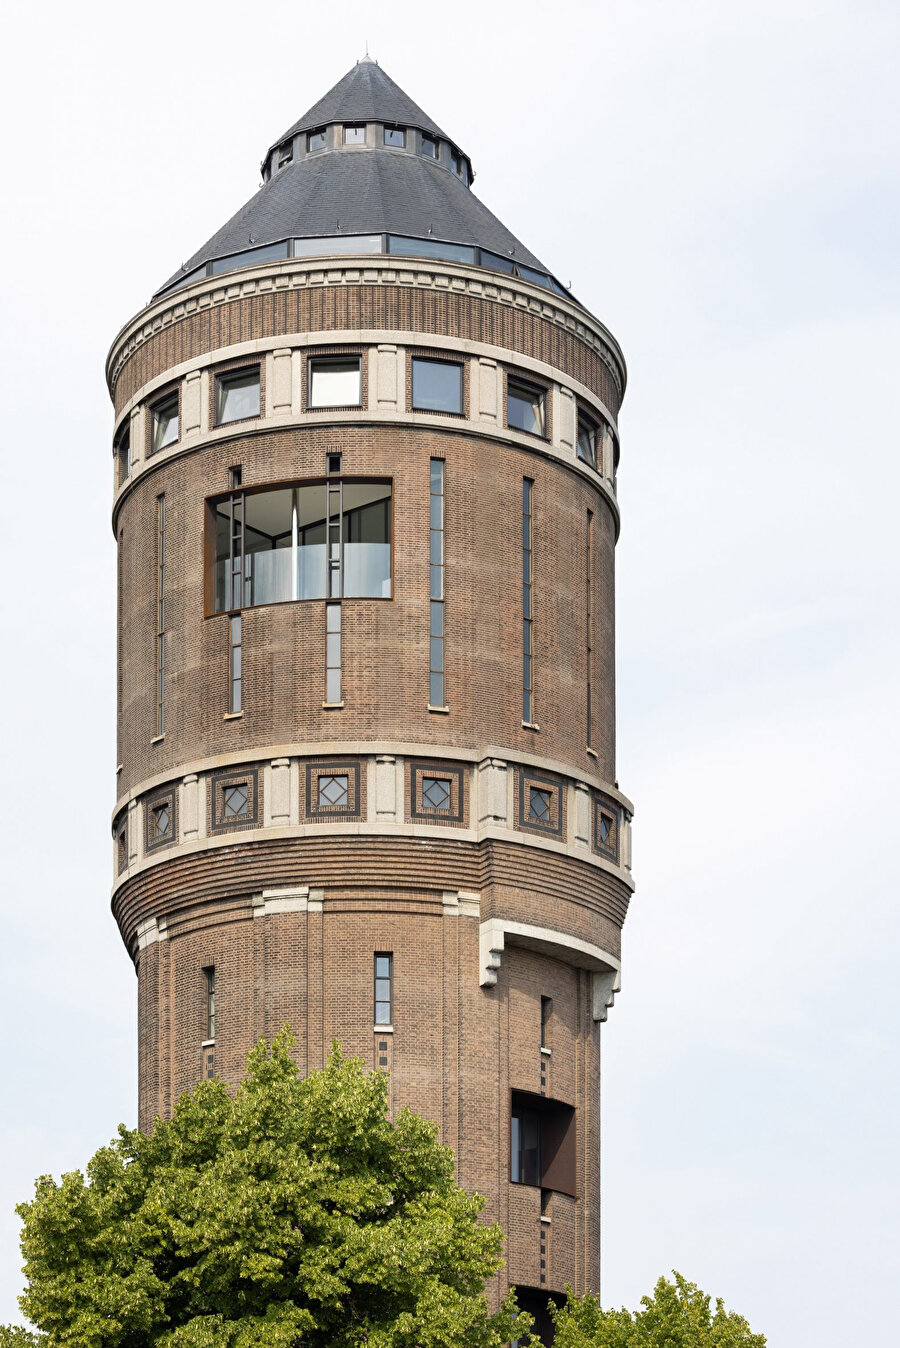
x=123 y=452
x=546 y=1012
x=334 y=381
x=384 y=979
x=237 y=396
x=589 y=629
x=316 y=140
x=429 y=147
x=354 y=135
x=525 y=409
x=436 y=692
x=542 y=1143
x=164 y=423
x=437 y=385
x=235 y=663
x=525 y=1146
x=325 y=540
x=209 y=989
x=587 y=442
x=160 y=615
x=285 y=153
x=333 y=654
x=527 y=608
x=396 y=136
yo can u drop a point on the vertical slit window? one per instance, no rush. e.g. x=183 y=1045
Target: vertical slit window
x=589 y=628
x=546 y=1010
x=384 y=988
x=333 y=653
x=160 y=615
x=436 y=631
x=235 y=664
x=527 y=608
x=209 y=988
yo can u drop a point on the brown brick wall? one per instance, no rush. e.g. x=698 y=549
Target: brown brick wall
x=360 y=306
x=385 y=643
x=456 y=1050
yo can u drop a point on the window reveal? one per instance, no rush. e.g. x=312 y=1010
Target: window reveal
x=542 y=1143
x=322 y=541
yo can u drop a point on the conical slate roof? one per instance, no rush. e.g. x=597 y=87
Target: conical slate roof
x=414 y=199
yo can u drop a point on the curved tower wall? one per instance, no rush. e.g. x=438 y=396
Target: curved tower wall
x=500 y=898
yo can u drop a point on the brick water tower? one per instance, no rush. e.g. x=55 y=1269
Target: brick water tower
x=365 y=450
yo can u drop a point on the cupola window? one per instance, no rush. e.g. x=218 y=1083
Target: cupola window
x=354 y=135
x=395 y=136
x=429 y=147
x=285 y=153
x=315 y=140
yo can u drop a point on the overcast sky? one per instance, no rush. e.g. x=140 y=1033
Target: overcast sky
x=719 y=182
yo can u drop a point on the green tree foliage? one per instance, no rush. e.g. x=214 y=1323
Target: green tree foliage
x=289 y=1212
x=678 y=1315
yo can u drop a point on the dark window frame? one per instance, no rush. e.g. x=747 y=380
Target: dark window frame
x=515 y=381
x=231 y=375
x=156 y=409
x=334 y=358
x=379 y=1001
x=420 y=358
x=394 y=130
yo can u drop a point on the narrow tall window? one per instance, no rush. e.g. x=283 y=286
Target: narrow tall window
x=209 y=988
x=527 y=612
x=235 y=662
x=160 y=615
x=546 y=1010
x=123 y=452
x=333 y=653
x=589 y=627
x=384 y=989
x=436 y=643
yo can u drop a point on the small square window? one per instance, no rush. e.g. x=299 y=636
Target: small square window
x=164 y=423
x=315 y=140
x=162 y=819
x=539 y=805
x=334 y=790
x=285 y=153
x=525 y=408
x=587 y=442
x=436 y=793
x=429 y=147
x=396 y=136
x=334 y=381
x=436 y=385
x=236 y=800
x=237 y=396
x=354 y=135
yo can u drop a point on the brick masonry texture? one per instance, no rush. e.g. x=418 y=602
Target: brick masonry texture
x=456 y=1049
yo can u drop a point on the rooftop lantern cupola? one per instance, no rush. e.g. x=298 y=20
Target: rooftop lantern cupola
x=365 y=171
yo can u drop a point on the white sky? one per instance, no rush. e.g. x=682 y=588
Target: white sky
x=719 y=182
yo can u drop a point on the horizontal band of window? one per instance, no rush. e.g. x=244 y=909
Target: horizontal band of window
x=398 y=245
